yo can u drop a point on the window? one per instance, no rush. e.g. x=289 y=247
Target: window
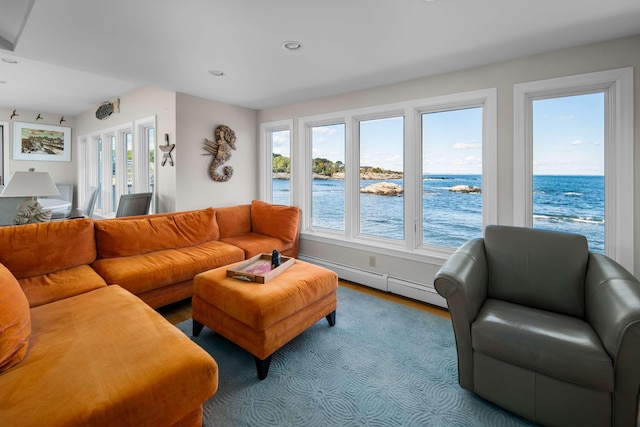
x=117 y=161
x=452 y=176
x=128 y=142
x=275 y=162
x=281 y=167
x=350 y=161
x=328 y=168
x=568 y=166
x=613 y=90
x=382 y=174
x=149 y=135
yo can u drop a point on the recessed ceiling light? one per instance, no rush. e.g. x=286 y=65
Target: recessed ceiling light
x=9 y=60
x=217 y=73
x=291 y=45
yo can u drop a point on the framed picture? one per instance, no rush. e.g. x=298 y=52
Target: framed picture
x=32 y=141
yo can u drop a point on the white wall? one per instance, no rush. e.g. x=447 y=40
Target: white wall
x=197 y=118
x=597 y=57
x=63 y=172
x=141 y=103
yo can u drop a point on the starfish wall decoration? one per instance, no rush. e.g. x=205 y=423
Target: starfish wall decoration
x=166 y=150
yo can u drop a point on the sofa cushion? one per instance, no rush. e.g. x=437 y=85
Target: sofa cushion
x=281 y=222
x=553 y=344
x=59 y=245
x=537 y=268
x=154 y=233
x=148 y=271
x=61 y=284
x=105 y=358
x=15 y=321
x=234 y=220
x=253 y=244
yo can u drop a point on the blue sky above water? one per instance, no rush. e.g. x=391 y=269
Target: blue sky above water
x=568 y=139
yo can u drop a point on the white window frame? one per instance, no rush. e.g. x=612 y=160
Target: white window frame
x=488 y=101
x=617 y=85
x=88 y=168
x=4 y=126
x=265 y=169
x=411 y=247
x=305 y=176
x=353 y=205
x=141 y=151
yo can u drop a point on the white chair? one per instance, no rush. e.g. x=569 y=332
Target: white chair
x=66 y=193
x=89 y=203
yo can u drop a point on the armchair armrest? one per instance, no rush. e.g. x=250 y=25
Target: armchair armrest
x=612 y=306
x=462 y=281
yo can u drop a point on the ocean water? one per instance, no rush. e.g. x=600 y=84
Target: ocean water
x=562 y=203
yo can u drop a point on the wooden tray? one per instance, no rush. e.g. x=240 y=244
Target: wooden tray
x=258 y=269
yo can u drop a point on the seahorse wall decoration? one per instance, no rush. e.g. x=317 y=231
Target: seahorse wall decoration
x=220 y=149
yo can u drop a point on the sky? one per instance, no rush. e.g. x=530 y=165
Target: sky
x=568 y=139
x=568 y=135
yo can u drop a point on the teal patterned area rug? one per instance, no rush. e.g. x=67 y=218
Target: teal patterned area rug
x=382 y=364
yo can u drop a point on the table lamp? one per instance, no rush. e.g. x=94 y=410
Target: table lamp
x=30 y=184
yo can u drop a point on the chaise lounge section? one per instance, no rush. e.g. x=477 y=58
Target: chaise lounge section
x=80 y=343
x=76 y=352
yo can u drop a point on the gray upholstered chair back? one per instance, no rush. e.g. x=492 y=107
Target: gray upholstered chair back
x=537 y=268
x=134 y=204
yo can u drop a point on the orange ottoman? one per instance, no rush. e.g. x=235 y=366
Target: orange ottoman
x=261 y=318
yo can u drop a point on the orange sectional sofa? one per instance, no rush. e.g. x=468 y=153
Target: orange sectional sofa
x=78 y=346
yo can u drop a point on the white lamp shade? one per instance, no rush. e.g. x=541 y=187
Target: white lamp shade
x=30 y=184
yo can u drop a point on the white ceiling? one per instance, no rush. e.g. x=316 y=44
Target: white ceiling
x=74 y=54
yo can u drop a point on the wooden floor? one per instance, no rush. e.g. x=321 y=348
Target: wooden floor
x=181 y=311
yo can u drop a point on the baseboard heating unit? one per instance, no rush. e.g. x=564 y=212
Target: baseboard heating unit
x=383 y=282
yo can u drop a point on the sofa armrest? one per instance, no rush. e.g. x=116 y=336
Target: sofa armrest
x=612 y=305
x=462 y=280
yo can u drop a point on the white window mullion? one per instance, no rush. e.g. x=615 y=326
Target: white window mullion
x=121 y=165
x=351 y=177
x=106 y=175
x=413 y=179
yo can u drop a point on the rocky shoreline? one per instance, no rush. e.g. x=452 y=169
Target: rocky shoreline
x=340 y=175
x=383 y=188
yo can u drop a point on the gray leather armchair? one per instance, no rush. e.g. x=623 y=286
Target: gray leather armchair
x=544 y=328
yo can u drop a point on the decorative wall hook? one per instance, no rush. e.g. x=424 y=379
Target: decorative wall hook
x=39 y=117
x=14 y=114
x=62 y=119
x=166 y=150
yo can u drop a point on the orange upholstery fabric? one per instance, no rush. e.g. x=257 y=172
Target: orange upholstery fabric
x=254 y=244
x=37 y=249
x=281 y=222
x=61 y=284
x=144 y=235
x=262 y=305
x=234 y=220
x=262 y=343
x=141 y=273
x=103 y=358
x=15 y=321
x=159 y=297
